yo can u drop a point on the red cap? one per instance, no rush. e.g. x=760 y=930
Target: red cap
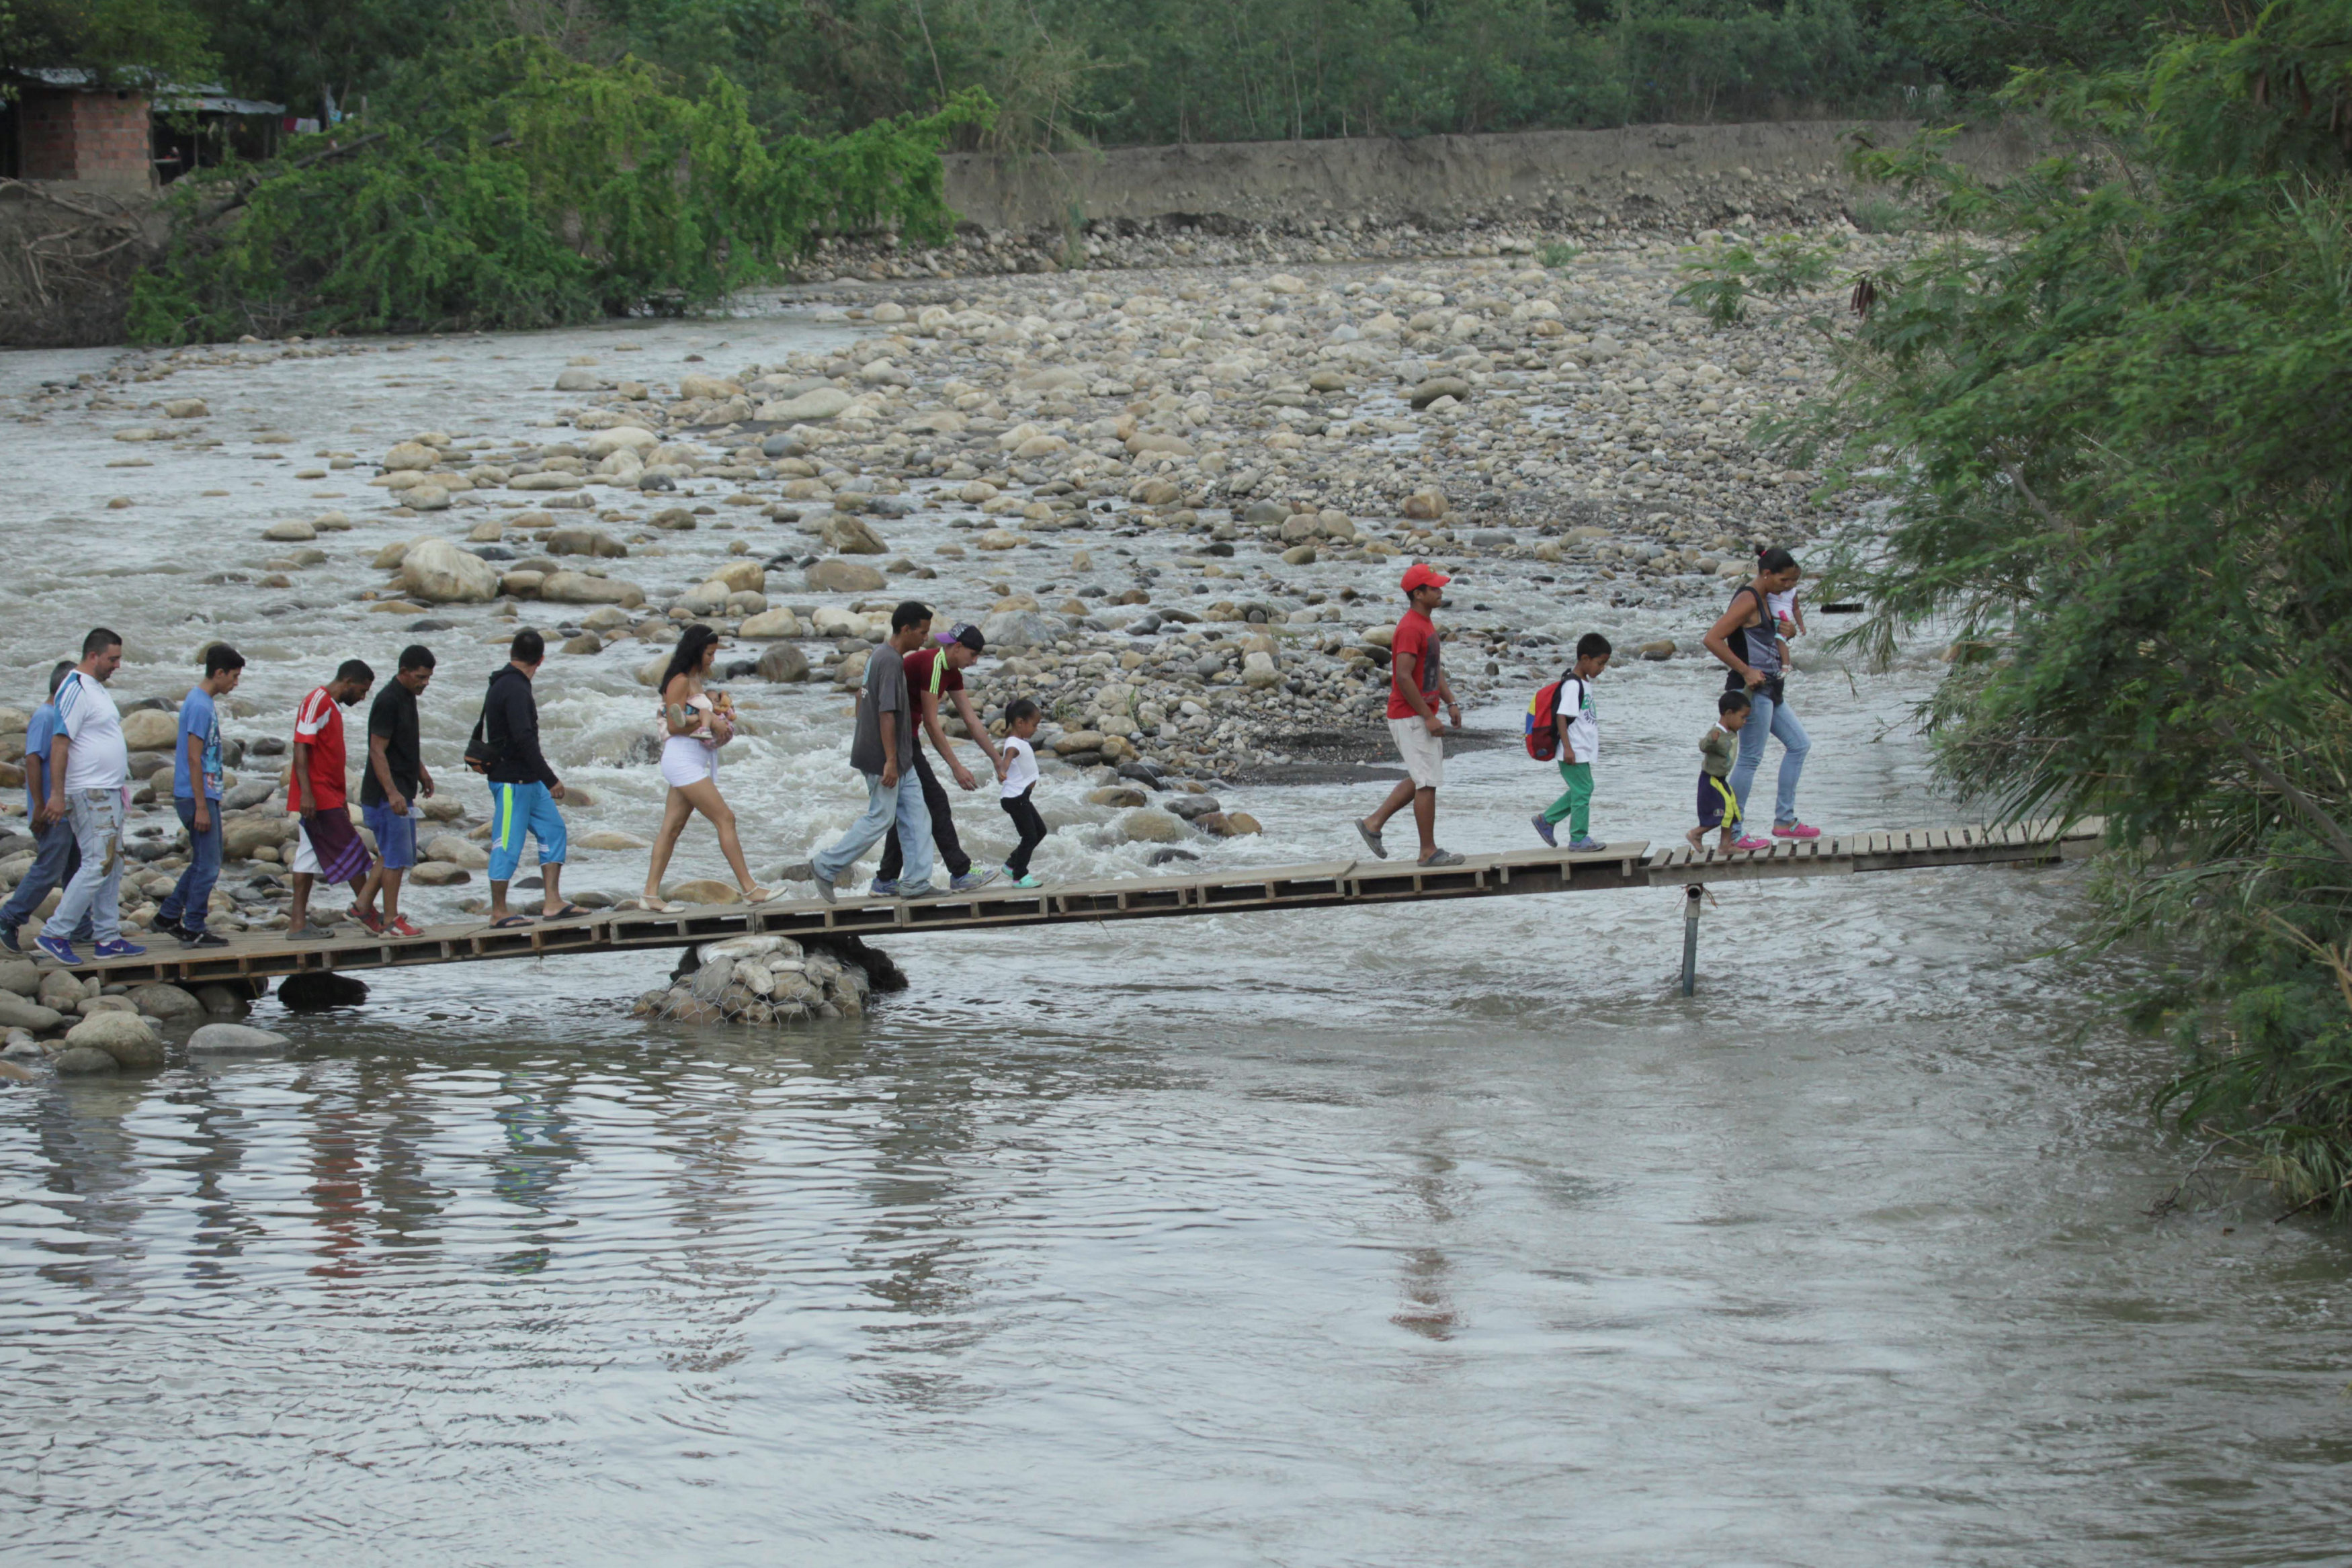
x=1421 y=574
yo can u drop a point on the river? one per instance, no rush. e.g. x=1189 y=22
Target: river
x=1372 y=1236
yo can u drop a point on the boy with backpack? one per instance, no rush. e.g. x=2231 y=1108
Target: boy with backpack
x=1564 y=722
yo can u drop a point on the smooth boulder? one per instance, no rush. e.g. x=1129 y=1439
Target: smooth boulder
x=438 y=572
x=235 y=1039
x=124 y=1036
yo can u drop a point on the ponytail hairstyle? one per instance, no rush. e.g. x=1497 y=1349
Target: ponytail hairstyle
x=1772 y=558
x=696 y=641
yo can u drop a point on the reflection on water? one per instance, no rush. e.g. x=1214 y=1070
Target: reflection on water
x=1438 y=1275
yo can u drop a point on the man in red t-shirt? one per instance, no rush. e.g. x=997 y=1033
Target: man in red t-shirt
x=1416 y=686
x=325 y=844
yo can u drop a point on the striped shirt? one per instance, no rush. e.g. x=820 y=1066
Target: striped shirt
x=319 y=724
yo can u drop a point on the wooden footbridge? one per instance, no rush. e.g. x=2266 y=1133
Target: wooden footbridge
x=1355 y=882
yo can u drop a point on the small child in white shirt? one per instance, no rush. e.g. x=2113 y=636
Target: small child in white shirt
x=1020 y=781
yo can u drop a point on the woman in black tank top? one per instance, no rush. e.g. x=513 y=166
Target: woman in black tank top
x=1747 y=641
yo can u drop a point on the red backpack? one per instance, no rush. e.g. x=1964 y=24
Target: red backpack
x=1543 y=721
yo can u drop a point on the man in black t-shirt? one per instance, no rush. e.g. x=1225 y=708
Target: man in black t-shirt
x=394 y=778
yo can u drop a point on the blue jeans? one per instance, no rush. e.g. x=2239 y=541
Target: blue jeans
x=884 y=806
x=56 y=857
x=192 y=898
x=93 y=899
x=1768 y=718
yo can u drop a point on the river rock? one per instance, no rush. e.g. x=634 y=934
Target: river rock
x=163 y=1002
x=450 y=849
x=223 y=1001
x=20 y=975
x=149 y=729
x=702 y=890
x=608 y=839
x=438 y=874
x=438 y=572
x=315 y=989
x=1436 y=387
x=124 y=1036
x=23 y=1012
x=770 y=624
x=620 y=438
x=811 y=407
x=579 y=379
x=235 y=1039
x=1021 y=629
x=185 y=408
x=1664 y=648
x=411 y=455
x=292 y=531
x=783 y=663
x=851 y=671
x=741 y=576
x=61 y=991
x=585 y=541
x=579 y=587
x=1151 y=826
x=833 y=575
x=82 y=1059
x=241 y=835
x=848 y=536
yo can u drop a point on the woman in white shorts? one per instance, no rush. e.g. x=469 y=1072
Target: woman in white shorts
x=694 y=726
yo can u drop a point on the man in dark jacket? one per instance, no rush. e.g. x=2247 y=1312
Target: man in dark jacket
x=523 y=787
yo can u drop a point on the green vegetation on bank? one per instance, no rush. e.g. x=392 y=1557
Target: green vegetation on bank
x=2108 y=411
x=529 y=191
x=1135 y=71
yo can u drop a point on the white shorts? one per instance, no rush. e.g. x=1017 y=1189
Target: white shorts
x=686 y=761
x=301 y=857
x=1423 y=753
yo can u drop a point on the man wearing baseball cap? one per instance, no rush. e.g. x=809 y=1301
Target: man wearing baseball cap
x=1416 y=686
x=933 y=671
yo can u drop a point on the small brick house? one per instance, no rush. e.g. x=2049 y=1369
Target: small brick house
x=63 y=124
x=95 y=135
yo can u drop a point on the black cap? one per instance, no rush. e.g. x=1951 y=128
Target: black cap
x=969 y=636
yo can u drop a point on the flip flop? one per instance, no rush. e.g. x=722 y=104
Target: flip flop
x=759 y=896
x=510 y=923
x=566 y=913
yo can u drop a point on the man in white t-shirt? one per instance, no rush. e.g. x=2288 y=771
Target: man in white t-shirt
x=90 y=767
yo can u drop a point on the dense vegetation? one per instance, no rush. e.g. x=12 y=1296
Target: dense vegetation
x=2109 y=413
x=1128 y=71
x=529 y=190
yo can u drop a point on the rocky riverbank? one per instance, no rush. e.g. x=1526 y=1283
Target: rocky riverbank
x=1175 y=499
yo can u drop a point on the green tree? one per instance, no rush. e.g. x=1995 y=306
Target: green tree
x=129 y=41
x=2107 y=415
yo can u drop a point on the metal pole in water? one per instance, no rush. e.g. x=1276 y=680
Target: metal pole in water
x=1690 y=940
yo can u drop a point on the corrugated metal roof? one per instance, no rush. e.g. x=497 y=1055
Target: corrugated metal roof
x=210 y=97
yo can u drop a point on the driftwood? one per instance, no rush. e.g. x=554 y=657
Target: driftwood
x=68 y=255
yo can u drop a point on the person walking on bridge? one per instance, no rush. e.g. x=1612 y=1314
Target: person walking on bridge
x=1416 y=686
x=694 y=727
x=882 y=749
x=1747 y=640
x=935 y=670
x=89 y=774
x=196 y=775
x=55 y=856
x=524 y=789
x=389 y=787
x=325 y=843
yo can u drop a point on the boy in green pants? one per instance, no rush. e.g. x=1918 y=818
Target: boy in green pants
x=1579 y=745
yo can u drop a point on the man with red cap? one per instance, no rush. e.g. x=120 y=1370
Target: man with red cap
x=1416 y=686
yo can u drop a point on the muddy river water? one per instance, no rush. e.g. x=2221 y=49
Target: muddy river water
x=1443 y=1235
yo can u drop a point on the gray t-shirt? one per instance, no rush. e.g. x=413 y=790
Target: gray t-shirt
x=885 y=692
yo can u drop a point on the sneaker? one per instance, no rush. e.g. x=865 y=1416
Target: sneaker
x=1586 y=845
x=8 y=939
x=824 y=889
x=61 y=951
x=204 y=939
x=1794 y=830
x=166 y=926
x=1026 y=878
x=971 y=881
x=882 y=889
x=120 y=948
x=367 y=918
x=911 y=890
x=1544 y=830
x=1372 y=839
x=1752 y=843
x=400 y=925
